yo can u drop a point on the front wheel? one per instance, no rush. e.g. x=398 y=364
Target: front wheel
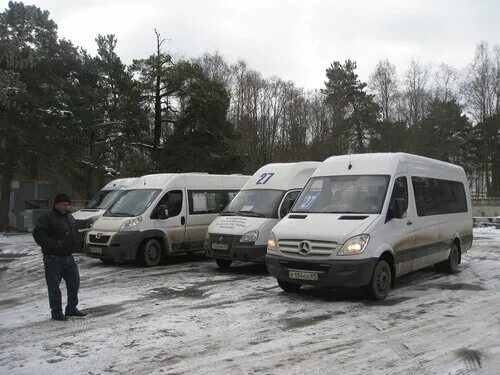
x=150 y=254
x=380 y=283
x=223 y=264
x=289 y=287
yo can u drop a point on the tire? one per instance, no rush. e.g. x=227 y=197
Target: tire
x=380 y=284
x=107 y=261
x=450 y=265
x=223 y=264
x=150 y=254
x=289 y=287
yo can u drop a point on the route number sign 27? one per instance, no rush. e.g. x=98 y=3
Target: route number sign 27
x=264 y=178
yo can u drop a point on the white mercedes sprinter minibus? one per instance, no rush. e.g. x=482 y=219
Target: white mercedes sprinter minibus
x=363 y=220
x=86 y=217
x=161 y=214
x=242 y=230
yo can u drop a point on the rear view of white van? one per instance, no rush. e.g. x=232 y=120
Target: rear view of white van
x=363 y=220
x=242 y=230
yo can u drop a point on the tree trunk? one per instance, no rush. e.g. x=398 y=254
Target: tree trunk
x=7 y=176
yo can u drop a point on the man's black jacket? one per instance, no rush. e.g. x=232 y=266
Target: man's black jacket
x=56 y=233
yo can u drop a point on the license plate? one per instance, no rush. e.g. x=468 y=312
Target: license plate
x=95 y=250
x=220 y=246
x=303 y=275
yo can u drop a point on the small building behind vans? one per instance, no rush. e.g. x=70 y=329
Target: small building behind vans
x=242 y=230
x=161 y=214
x=363 y=220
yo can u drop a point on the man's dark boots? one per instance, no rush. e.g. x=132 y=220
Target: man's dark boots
x=75 y=313
x=59 y=316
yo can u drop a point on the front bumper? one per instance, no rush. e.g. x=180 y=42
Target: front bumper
x=122 y=246
x=331 y=273
x=236 y=250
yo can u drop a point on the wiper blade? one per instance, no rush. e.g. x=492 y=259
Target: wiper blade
x=250 y=213
x=228 y=213
x=122 y=214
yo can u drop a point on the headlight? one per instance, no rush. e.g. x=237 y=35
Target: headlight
x=131 y=224
x=355 y=245
x=272 y=243
x=92 y=220
x=250 y=236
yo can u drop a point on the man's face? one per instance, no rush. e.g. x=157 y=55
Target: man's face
x=62 y=207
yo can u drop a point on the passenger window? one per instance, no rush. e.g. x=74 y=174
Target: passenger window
x=209 y=202
x=288 y=202
x=400 y=191
x=173 y=201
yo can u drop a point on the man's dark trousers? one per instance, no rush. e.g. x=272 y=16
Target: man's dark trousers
x=59 y=267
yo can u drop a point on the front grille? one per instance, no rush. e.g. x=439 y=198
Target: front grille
x=103 y=239
x=316 y=248
x=222 y=238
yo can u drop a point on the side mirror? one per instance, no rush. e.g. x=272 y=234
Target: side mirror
x=162 y=212
x=399 y=208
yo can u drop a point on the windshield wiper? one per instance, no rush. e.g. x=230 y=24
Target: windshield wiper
x=250 y=213
x=228 y=213
x=122 y=214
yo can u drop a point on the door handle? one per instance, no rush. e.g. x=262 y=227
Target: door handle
x=183 y=220
x=409 y=222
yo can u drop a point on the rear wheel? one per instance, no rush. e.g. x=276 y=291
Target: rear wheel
x=289 y=287
x=450 y=265
x=150 y=255
x=380 y=284
x=223 y=264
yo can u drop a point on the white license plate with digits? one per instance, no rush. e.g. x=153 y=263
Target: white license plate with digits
x=95 y=250
x=299 y=275
x=220 y=246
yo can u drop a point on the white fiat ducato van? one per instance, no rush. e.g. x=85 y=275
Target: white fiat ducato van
x=86 y=217
x=161 y=214
x=364 y=219
x=242 y=230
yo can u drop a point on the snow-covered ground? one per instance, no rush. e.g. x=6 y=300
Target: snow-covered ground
x=187 y=317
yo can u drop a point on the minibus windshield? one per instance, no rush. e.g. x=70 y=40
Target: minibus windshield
x=361 y=194
x=104 y=199
x=258 y=203
x=132 y=202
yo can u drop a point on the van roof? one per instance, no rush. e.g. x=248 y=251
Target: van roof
x=190 y=180
x=119 y=184
x=388 y=164
x=282 y=176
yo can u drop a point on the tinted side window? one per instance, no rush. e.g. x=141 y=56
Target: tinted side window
x=400 y=191
x=288 y=202
x=434 y=196
x=452 y=197
x=426 y=195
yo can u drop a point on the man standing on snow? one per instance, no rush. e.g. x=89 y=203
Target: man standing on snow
x=57 y=235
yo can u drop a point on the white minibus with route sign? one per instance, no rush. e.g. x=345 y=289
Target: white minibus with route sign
x=242 y=230
x=365 y=219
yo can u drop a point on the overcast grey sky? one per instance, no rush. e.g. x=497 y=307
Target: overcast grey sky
x=294 y=40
